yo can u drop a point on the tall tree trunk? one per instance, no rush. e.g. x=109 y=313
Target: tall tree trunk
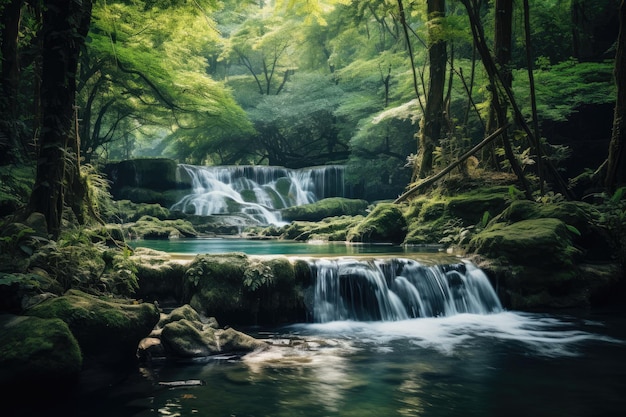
x=496 y=83
x=9 y=79
x=432 y=122
x=616 y=170
x=65 y=25
x=502 y=57
x=533 y=96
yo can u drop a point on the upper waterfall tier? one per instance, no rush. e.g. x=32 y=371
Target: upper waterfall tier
x=398 y=289
x=257 y=192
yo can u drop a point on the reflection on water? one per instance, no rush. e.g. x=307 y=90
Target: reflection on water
x=193 y=246
x=505 y=364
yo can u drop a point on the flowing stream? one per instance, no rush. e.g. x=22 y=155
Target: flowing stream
x=394 y=337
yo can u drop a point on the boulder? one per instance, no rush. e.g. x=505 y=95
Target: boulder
x=328 y=207
x=105 y=328
x=385 y=224
x=536 y=265
x=36 y=351
x=187 y=334
x=237 y=289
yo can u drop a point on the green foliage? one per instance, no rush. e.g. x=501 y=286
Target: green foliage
x=564 y=86
x=613 y=220
x=257 y=275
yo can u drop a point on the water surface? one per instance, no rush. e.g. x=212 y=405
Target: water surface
x=504 y=364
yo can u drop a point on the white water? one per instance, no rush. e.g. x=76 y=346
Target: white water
x=398 y=289
x=256 y=192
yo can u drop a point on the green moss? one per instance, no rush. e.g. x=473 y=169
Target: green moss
x=101 y=324
x=330 y=228
x=33 y=348
x=148 y=227
x=183 y=338
x=528 y=242
x=328 y=207
x=385 y=223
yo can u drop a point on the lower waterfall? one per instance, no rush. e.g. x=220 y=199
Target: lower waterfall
x=398 y=289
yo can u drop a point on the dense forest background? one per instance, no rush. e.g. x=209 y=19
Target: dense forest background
x=395 y=90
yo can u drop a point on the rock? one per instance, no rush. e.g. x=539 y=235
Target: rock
x=106 y=329
x=184 y=338
x=238 y=289
x=385 y=224
x=233 y=341
x=159 y=276
x=328 y=207
x=37 y=351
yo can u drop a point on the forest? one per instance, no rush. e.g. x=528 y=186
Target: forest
x=394 y=91
x=493 y=129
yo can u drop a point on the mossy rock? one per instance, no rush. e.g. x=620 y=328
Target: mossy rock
x=538 y=242
x=213 y=284
x=105 y=328
x=148 y=227
x=17 y=289
x=233 y=341
x=183 y=338
x=159 y=277
x=185 y=312
x=471 y=208
x=580 y=217
x=385 y=223
x=328 y=207
x=330 y=228
x=37 y=351
x=237 y=289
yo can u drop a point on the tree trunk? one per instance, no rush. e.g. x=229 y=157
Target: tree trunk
x=10 y=76
x=495 y=82
x=433 y=115
x=65 y=25
x=616 y=170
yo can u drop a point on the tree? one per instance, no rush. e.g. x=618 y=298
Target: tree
x=65 y=26
x=10 y=144
x=616 y=169
x=433 y=120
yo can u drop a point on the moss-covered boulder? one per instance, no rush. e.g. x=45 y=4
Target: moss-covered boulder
x=443 y=218
x=537 y=266
x=328 y=207
x=386 y=223
x=159 y=276
x=540 y=242
x=184 y=333
x=581 y=218
x=148 y=227
x=20 y=290
x=107 y=329
x=36 y=351
x=237 y=289
x=328 y=229
x=185 y=338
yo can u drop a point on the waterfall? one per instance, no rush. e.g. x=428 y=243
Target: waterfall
x=256 y=192
x=398 y=289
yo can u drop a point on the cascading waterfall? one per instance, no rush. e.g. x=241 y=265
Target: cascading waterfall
x=398 y=289
x=257 y=192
